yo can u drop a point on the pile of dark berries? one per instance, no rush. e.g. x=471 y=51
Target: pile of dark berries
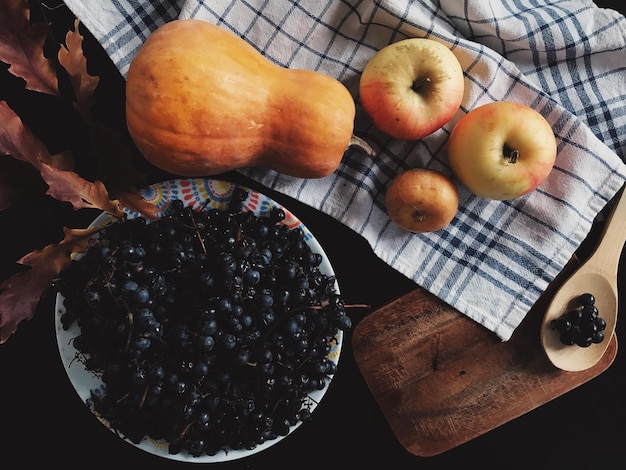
x=209 y=328
x=582 y=324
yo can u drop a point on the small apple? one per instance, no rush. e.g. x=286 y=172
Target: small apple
x=412 y=87
x=502 y=150
x=422 y=200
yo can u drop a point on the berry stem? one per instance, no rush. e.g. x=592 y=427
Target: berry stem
x=144 y=395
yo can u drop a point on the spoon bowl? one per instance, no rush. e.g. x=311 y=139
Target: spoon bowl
x=574 y=357
x=597 y=276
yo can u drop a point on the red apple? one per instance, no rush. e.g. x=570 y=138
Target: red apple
x=421 y=200
x=502 y=150
x=412 y=87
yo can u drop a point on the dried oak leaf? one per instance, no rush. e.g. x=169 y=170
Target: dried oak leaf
x=69 y=186
x=115 y=159
x=73 y=60
x=20 y=294
x=21 y=46
x=121 y=177
x=63 y=183
x=20 y=142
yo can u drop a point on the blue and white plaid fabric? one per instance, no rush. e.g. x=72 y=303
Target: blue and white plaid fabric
x=565 y=58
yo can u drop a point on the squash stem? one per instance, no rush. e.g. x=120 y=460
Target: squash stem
x=356 y=141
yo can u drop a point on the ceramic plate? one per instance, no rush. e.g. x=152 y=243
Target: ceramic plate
x=193 y=192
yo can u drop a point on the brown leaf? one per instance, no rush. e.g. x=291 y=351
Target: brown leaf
x=136 y=203
x=69 y=186
x=73 y=60
x=63 y=183
x=21 y=46
x=122 y=179
x=114 y=157
x=21 y=143
x=21 y=293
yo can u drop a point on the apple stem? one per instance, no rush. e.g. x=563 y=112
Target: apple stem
x=419 y=83
x=418 y=216
x=511 y=154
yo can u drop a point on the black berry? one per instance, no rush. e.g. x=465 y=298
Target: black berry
x=581 y=325
x=209 y=328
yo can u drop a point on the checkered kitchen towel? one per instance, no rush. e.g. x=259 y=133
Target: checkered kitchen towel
x=565 y=58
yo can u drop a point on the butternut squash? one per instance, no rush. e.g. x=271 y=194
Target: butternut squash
x=202 y=101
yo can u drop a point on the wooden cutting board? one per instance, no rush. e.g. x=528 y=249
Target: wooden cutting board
x=442 y=379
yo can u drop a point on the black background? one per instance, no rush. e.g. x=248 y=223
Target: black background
x=43 y=422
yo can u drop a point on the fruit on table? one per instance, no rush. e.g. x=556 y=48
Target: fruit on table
x=412 y=87
x=202 y=101
x=422 y=200
x=502 y=150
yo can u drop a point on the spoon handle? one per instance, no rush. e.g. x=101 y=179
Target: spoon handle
x=607 y=254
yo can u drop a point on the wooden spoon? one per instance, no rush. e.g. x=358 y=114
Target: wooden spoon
x=598 y=276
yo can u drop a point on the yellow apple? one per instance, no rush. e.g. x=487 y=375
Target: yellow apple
x=412 y=87
x=502 y=150
x=421 y=200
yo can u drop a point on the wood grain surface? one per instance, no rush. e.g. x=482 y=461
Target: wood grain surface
x=442 y=379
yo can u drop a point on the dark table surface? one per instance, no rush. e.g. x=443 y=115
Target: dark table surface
x=44 y=422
